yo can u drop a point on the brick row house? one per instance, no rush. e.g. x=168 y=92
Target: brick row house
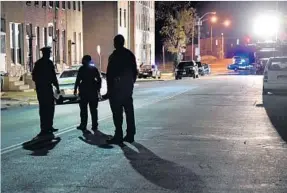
x=27 y=26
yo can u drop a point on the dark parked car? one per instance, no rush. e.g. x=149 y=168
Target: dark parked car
x=186 y=69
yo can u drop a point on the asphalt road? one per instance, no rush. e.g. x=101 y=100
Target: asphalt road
x=214 y=134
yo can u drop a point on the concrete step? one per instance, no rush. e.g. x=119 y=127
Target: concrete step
x=18 y=83
x=13 y=79
x=28 y=90
x=24 y=87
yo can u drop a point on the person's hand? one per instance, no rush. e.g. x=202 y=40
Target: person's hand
x=75 y=92
x=58 y=91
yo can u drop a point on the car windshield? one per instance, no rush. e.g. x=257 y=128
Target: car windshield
x=185 y=64
x=69 y=74
x=237 y=57
x=278 y=64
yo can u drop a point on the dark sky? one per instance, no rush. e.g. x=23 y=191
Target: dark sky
x=240 y=13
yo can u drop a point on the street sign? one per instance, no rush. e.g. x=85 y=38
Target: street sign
x=99 y=49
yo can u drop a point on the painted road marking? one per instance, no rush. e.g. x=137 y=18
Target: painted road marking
x=73 y=127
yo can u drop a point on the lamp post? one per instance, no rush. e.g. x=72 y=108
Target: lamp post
x=99 y=52
x=163 y=57
x=199 y=23
x=222 y=45
x=213 y=20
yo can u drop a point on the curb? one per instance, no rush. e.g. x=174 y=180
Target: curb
x=20 y=104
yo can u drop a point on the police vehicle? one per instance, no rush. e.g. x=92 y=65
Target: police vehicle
x=67 y=81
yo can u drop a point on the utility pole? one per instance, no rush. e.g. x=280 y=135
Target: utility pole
x=163 y=57
x=192 y=40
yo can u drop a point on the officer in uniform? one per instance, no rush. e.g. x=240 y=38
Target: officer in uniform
x=89 y=83
x=121 y=76
x=44 y=76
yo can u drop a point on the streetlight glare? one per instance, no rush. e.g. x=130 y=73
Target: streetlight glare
x=266 y=25
x=226 y=23
x=213 y=19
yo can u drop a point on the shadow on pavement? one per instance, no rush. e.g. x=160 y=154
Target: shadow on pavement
x=163 y=173
x=276 y=109
x=41 y=148
x=99 y=139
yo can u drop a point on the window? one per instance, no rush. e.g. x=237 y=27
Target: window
x=74 y=5
x=120 y=17
x=3 y=44
x=69 y=74
x=19 y=44
x=36 y=3
x=37 y=42
x=58 y=46
x=44 y=3
x=69 y=4
x=57 y=4
x=79 y=5
x=45 y=36
x=75 y=48
x=3 y=25
x=64 y=45
x=278 y=64
x=12 y=42
x=63 y=4
x=80 y=46
x=125 y=18
x=51 y=3
x=28 y=3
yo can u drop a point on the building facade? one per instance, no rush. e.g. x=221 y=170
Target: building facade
x=103 y=20
x=27 y=26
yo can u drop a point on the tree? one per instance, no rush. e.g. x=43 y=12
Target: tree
x=178 y=20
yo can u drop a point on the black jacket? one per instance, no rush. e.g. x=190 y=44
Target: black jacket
x=88 y=80
x=44 y=74
x=121 y=72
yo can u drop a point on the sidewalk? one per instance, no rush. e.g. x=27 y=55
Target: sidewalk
x=17 y=99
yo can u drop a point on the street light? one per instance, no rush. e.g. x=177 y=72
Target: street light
x=199 y=23
x=226 y=23
x=99 y=52
x=213 y=20
x=266 y=26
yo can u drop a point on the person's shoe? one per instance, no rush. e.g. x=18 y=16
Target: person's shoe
x=82 y=128
x=129 y=139
x=54 y=130
x=115 y=140
x=44 y=135
x=95 y=129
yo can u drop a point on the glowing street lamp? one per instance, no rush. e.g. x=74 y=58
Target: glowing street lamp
x=266 y=26
x=226 y=23
x=213 y=19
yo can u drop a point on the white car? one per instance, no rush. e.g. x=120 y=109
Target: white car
x=67 y=81
x=275 y=75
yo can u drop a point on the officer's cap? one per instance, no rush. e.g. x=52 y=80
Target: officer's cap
x=46 y=49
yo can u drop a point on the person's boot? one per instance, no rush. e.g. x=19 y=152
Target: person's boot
x=82 y=128
x=54 y=130
x=118 y=140
x=129 y=138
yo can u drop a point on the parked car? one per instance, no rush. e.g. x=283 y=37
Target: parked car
x=67 y=81
x=206 y=69
x=151 y=71
x=275 y=75
x=186 y=69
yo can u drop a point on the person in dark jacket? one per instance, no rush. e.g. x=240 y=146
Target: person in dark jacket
x=121 y=76
x=44 y=76
x=89 y=83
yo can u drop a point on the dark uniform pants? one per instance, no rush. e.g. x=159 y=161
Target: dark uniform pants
x=117 y=107
x=93 y=104
x=46 y=109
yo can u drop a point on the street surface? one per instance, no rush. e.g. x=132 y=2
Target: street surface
x=213 y=134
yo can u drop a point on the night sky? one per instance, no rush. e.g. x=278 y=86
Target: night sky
x=240 y=13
